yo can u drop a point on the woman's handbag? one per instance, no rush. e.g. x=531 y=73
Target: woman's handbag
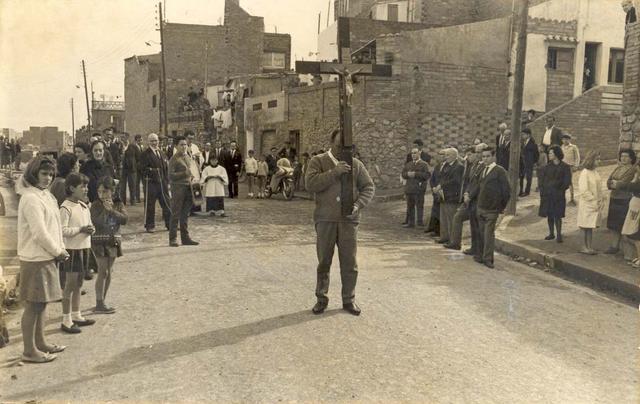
x=632 y=221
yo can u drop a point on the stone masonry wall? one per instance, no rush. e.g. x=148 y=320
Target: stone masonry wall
x=630 y=128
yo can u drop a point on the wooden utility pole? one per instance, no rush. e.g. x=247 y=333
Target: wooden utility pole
x=319 y=19
x=516 y=109
x=328 y=13
x=163 y=88
x=73 y=124
x=86 y=96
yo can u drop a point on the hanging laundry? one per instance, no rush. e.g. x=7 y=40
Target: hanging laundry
x=227 y=118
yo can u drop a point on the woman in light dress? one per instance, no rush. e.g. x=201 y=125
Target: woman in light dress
x=590 y=201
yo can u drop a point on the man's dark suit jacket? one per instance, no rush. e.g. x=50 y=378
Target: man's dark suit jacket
x=556 y=136
x=417 y=184
x=130 y=160
x=494 y=191
x=272 y=162
x=424 y=156
x=234 y=163
x=451 y=181
x=502 y=155
x=530 y=154
x=222 y=155
x=153 y=168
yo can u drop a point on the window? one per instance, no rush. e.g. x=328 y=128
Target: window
x=257 y=107
x=560 y=59
x=616 y=66
x=154 y=101
x=392 y=12
x=272 y=104
x=273 y=60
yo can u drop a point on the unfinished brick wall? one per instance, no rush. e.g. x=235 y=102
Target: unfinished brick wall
x=591 y=126
x=630 y=122
x=559 y=88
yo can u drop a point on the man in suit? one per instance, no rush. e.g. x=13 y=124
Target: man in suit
x=500 y=136
x=416 y=173
x=552 y=136
x=433 y=228
x=470 y=164
x=424 y=154
x=129 y=170
x=234 y=166
x=221 y=153
x=449 y=191
x=272 y=161
x=288 y=152
x=324 y=179
x=493 y=196
x=470 y=198
x=153 y=165
x=530 y=156
x=116 y=149
x=504 y=149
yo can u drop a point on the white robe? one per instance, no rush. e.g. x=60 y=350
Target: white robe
x=214 y=187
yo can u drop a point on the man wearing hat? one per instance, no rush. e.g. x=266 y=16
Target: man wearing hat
x=529 y=158
x=572 y=158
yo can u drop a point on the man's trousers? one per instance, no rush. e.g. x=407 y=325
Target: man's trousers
x=487 y=221
x=344 y=235
x=447 y=211
x=156 y=192
x=415 y=204
x=181 y=203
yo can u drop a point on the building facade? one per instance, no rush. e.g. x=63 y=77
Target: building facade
x=108 y=114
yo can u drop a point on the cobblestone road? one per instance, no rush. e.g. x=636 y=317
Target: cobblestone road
x=230 y=320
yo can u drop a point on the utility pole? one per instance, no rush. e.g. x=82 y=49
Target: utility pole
x=319 y=17
x=328 y=13
x=206 y=67
x=163 y=89
x=86 y=96
x=516 y=109
x=73 y=124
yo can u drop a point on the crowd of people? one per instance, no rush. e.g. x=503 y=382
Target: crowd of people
x=471 y=184
x=10 y=153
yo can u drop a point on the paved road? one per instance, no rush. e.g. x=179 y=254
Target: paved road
x=230 y=320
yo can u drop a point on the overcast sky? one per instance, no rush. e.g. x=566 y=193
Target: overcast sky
x=42 y=43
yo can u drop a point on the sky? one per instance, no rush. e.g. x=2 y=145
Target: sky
x=42 y=44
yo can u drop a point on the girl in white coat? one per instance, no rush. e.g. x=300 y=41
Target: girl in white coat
x=590 y=200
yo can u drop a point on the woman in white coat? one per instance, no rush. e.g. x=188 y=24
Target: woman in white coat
x=214 y=179
x=591 y=200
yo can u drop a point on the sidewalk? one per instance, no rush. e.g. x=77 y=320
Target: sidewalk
x=523 y=236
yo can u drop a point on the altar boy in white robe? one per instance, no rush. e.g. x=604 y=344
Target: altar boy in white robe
x=214 y=179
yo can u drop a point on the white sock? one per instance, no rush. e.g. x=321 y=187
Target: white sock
x=66 y=320
x=77 y=316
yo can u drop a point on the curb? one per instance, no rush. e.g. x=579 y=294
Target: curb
x=577 y=273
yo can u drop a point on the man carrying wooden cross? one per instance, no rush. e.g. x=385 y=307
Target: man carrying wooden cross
x=324 y=178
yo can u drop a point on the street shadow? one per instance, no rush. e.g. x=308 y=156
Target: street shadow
x=142 y=356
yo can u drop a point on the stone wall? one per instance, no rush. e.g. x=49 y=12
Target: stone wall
x=630 y=128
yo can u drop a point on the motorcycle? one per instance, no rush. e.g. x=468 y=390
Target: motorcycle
x=285 y=186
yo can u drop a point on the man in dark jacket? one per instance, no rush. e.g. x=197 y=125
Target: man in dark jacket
x=470 y=164
x=530 y=156
x=272 y=161
x=233 y=166
x=552 y=135
x=129 y=171
x=449 y=191
x=504 y=149
x=324 y=179
x=116 y=149
x=433 y=229
x=493 y=196
x=416 y=173
x=153 y=165
x=181 y=178
x=424 y=154
x=138 y=153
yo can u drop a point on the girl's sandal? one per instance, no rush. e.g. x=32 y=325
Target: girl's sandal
x=56 y=349
x=635 y=263
x=47 y=357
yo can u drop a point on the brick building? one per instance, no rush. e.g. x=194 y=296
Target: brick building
x=108 y=114
x=47 y=139
x=239 y=46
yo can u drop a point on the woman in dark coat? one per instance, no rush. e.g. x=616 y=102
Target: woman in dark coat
x=97 y=167
x=555 y=180
x=619 y=199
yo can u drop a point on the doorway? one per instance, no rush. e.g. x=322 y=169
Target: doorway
x=590 y=65
x=294 y=138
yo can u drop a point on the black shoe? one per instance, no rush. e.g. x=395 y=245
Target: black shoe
x=173 y=243
x=420 y=225
x=559 y=239
x=441 y=241
x=84 y=323
x=550 y=237
x=352 y=308
x=525 y=194
x=452 y=247
x=488 y=265
x=74 y=329
x=150 y=230
x=319 y=308
x=408 y=226
x=430 y=232
x=190 y=242
x=468 y=251
x=478 y=260
x=88 y=276
x=403 y=223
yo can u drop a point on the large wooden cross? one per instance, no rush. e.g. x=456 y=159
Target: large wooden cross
x=346 y=73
